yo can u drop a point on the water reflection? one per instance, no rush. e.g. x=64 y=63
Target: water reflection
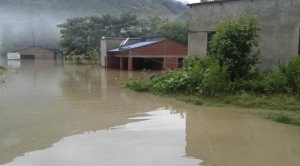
x=44 y=101
x=55 y=111
x=148 y=142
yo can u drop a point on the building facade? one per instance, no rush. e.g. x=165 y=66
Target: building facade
x=279 y=21
x=145 y=53
x=36 y=52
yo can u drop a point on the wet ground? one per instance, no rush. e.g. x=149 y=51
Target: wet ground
x=53 y=113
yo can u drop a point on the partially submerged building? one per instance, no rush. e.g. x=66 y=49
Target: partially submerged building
x=36 y=52
x=279 y=21
x=152 y=52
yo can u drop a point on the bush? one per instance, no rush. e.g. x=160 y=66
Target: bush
x=234 y=44
x=287 y=119
x=292 y=72
x=266 y=81
x=216 y=80
x=136 y=85
x=2 y=69
x=171 y=82
x=196 y=68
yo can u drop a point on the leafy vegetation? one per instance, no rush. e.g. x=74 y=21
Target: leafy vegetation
x=177 y=31
x=286 y=118
x=80 y=35
x=2 y=70
x=229 y=77
x=233 y=45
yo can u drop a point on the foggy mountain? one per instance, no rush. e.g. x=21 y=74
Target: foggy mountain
x=27 y=22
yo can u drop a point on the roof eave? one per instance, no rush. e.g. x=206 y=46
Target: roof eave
x=210 y=2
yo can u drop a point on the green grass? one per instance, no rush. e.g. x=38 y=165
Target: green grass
x=2 y=69
x=290 y=105
x=292 y=118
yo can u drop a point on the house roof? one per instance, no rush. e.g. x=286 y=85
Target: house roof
x=210 y=2
x=133 y=46
x=31 y=46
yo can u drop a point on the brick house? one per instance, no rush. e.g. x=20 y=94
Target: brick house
x=36 y=52
x=155 y=52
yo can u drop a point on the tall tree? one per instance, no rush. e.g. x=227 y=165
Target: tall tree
x=75 y=34
x=151 y=25
x=177 y=31
x=81 y=33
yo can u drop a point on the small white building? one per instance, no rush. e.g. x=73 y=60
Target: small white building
x=13 y=56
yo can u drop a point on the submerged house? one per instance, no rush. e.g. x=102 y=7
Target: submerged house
x=279 y=21
x=36 y=52
x=152 y=52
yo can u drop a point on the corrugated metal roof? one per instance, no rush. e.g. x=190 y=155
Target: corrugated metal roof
x=210 y=2
x=132 y=46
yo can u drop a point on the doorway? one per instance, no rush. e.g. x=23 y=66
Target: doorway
x=299 y=43
x=27 y=57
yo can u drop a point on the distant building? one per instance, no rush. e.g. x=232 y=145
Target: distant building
x=154 y=52
x=279 y=21
x=36 y=52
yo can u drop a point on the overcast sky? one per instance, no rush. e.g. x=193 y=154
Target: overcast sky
x=189 y=1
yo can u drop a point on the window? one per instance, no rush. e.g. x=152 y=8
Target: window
x=299 y=43
x=180 y=63
x=209 y=38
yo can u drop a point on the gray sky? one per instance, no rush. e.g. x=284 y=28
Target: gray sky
x=189 y=1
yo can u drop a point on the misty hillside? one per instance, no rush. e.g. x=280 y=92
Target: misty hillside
x=25 y=22
x=68 y=8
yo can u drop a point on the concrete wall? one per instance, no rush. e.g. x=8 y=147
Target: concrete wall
x=110 y=43
x=279 y=21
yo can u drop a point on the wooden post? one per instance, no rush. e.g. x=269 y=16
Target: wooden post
x=121 y=63
x=129 y=63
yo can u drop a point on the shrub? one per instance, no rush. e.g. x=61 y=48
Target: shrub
x=196 y=68
x=2 y=69
x=287 y=119
x=292 y=72
x=216 y=80
x=234 y=44
x=266 y=81
x=170 y=82
x=136 y=85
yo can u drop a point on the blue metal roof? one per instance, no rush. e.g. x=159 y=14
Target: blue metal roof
x=132 y=46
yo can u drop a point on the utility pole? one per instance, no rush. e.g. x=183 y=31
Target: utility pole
x=33 y=38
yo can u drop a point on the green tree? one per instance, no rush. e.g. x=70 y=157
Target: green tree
x=177 y=31
x=81 y=33
x=75 y=35
x=149 y=26
x=235 y=45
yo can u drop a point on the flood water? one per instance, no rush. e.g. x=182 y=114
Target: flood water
x=59 y=114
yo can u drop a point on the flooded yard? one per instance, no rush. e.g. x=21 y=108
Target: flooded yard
x=53 y=113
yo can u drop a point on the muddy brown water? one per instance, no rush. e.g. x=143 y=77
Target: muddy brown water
x=53 y=113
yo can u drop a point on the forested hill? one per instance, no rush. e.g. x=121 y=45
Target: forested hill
x=25 y=22
x=68 y=8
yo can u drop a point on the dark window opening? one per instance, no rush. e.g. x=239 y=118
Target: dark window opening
x=27 y=57
x=180 y=63
x=147 y=63
x=299 y=43
x=209 y=38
